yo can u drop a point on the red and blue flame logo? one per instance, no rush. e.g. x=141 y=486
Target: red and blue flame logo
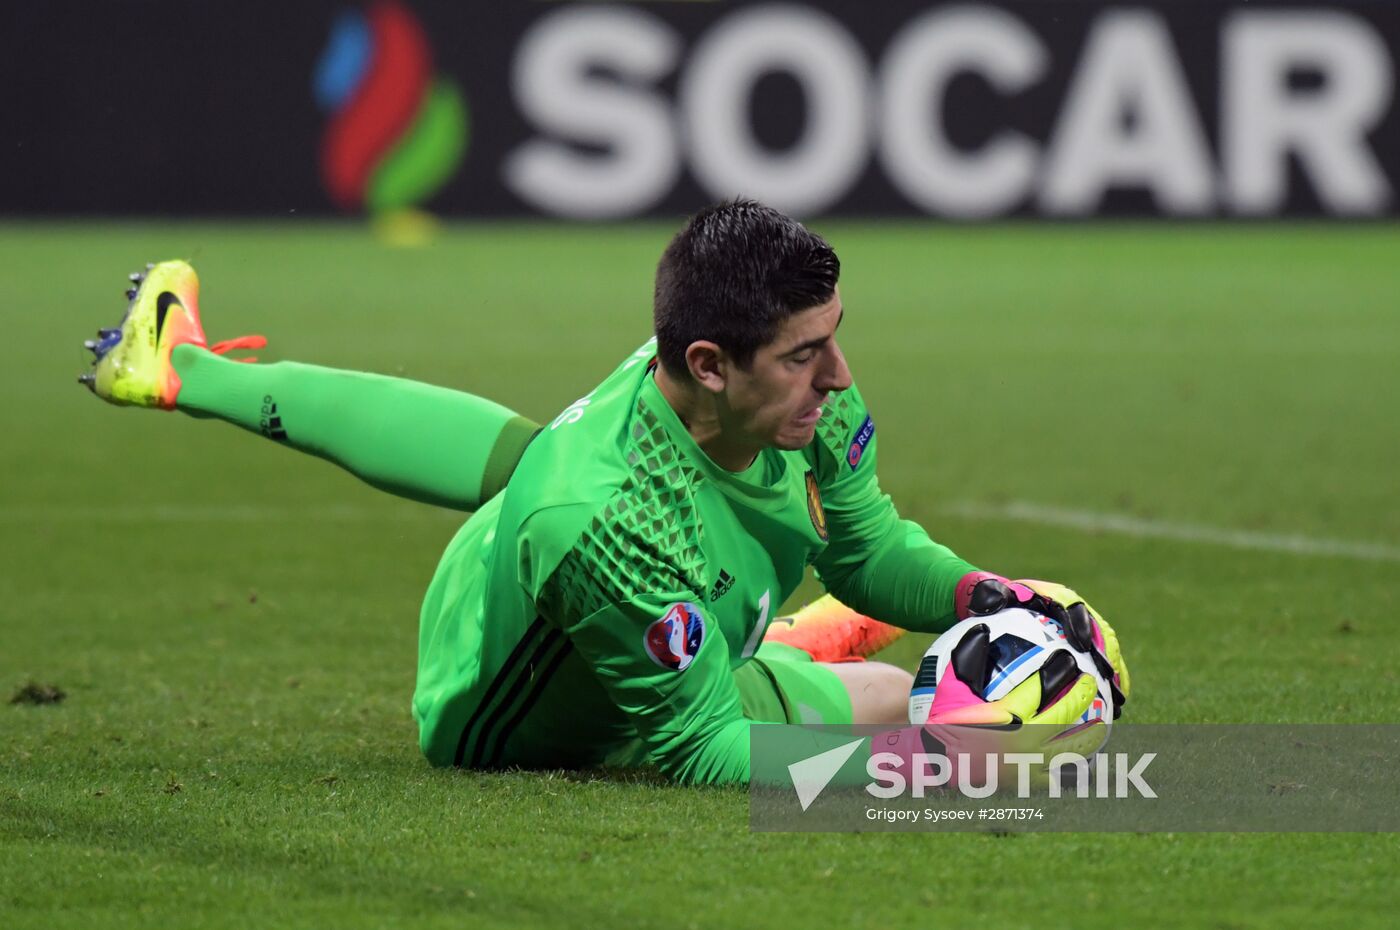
x=674 y=640
x=397 y=132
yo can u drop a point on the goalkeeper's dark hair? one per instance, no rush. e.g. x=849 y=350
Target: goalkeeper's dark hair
x=732 y=275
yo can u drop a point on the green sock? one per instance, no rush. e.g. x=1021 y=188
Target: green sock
x=419 y=441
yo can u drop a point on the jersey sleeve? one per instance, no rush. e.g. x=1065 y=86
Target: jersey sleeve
x=638 y=621
x=875 y=562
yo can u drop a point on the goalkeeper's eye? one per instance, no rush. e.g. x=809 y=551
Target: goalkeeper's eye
x=805 y=356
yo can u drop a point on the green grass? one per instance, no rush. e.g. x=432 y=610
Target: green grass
x=235 y=625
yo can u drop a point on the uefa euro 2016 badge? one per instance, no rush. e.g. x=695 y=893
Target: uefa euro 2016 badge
x=674 y=640
x=862 y=439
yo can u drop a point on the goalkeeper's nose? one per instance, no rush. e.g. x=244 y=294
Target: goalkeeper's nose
x=835 y=375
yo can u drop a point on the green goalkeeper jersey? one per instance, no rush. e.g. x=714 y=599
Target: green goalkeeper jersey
x=595 y=611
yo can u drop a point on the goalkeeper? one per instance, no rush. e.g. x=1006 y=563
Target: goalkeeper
x=611 y=599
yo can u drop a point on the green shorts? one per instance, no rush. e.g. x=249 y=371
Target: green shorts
x=781 y=684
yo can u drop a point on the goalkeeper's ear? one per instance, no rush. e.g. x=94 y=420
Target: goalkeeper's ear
x=707 y=364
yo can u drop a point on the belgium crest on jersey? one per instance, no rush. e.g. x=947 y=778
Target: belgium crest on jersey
x=814 y=506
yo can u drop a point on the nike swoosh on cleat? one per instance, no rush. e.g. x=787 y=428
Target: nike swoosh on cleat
x=163 y=303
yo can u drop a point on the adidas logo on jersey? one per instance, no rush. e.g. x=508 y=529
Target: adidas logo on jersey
x=723 y=583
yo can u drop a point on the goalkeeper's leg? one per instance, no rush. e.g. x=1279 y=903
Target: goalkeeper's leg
x=416 y=440
x=783 y=684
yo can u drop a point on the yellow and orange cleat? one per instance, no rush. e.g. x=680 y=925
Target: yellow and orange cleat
x=832 y=632
x=131 y=363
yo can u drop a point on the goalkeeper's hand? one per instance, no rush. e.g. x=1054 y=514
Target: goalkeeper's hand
x=1037 y=716
x=983 y=593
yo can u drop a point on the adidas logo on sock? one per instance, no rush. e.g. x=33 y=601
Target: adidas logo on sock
x=270 y=423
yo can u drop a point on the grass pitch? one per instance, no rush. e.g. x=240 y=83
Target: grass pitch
x=1192 y=425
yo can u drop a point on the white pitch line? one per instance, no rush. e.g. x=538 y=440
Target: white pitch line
x=1121 y=525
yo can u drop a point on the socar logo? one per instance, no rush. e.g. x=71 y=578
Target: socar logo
x=397 y=132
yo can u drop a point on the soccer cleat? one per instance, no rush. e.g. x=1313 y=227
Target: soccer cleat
x=830 y=631
x=131 y=363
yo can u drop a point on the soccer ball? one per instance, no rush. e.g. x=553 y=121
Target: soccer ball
x=1021 y=642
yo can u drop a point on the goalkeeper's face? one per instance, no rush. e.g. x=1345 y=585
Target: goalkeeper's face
x=778 y=400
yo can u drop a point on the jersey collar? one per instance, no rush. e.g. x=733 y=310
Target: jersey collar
x=736 y=485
